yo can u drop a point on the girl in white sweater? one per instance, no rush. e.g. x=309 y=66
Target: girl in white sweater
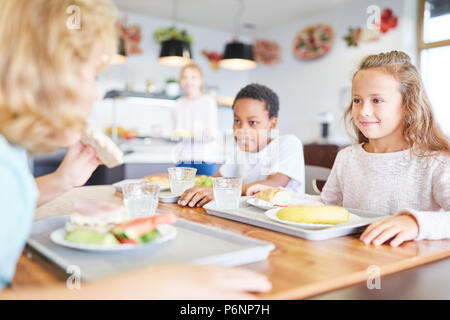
x=401 y=165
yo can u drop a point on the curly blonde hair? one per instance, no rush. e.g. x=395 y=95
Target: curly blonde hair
x=40 y=66
x=421 y=131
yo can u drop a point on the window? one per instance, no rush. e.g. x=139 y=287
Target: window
x=434 y=53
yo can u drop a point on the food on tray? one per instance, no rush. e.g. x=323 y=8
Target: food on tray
x=162 y=181
x=96 y=216
x=275 y=196
x=310 y=214
x=107 y=224
x=107 y=151
x=141 y=230
x=91 y=237
x=204 y=181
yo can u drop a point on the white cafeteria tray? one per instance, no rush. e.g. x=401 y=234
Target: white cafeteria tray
x=251 y=215
x=194 y=244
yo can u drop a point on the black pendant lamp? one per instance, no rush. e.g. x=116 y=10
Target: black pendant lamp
x=238 y=55
x=121 y=56
x=175 y=52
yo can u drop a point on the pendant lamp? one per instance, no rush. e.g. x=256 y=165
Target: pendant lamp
x=238 y=55
x=175 y=52
x=121 y=55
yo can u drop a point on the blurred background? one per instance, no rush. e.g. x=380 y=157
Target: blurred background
x=306 y=51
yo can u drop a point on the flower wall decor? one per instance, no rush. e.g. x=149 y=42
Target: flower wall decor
x=266 y=52
x=131 y=36
x=213 y=58
x=388 y=21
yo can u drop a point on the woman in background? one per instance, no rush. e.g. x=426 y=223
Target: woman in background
x=195 y=119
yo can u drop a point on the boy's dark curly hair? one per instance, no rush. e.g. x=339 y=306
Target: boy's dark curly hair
x=262 y=93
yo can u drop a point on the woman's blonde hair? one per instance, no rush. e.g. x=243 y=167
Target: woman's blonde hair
x=421 y=131
x=42 y=49
x=192 y=66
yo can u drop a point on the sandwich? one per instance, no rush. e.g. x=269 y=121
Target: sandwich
x=107 y=224
x=92 y=221
x=107 y=151
x=96 y=216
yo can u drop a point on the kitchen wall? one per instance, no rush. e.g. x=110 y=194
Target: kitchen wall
x=139 y=68
x=323 y=85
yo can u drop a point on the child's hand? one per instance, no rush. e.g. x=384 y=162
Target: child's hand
x=254 y=189
x=402 y=228
x=197 y=196
x=77 y=166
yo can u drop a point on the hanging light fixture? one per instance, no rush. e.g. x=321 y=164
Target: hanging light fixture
x=121 y=55
x=174 y=52
x=238 y=55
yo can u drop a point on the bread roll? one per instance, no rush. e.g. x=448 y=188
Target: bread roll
x=319 y=214
x=162 y=181
x=276 y=196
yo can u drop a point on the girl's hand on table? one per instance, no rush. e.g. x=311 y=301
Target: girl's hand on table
x=77 y=166
x=196 y=196
x=402 y=228
x=256 y=188
x=188 y=282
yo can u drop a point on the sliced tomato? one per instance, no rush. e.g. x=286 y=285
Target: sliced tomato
x=126 y=241
x=140 y=226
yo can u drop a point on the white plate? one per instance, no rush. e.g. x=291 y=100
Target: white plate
x=118 y=185
x=272 y=215
x=297 y=200
x=167 y=232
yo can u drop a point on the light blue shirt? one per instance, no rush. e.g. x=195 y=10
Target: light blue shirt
x=18 y=198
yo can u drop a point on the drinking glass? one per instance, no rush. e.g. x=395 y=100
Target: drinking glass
x=140 y=198
x=181 y=179
x=227 y=192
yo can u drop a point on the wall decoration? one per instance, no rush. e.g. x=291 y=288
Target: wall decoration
x=266 y=52
x=313 y=41
x=132 y=37
x=213 y=57
x=388 y=21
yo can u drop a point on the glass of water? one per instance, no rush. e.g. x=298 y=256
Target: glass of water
x=227 y=192
x=140 y=198
x=181 y=179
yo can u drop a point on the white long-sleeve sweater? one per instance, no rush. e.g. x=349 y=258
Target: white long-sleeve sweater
x=393 y=183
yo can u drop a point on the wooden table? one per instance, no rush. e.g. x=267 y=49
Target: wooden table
x=297 y=268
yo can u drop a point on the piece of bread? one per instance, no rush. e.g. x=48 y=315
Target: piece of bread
x=276 y=196
x=319 y=214
x=107 y=151
x=98 y=216
x=162 y=181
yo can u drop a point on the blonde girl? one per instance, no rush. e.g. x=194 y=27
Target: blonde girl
x=47 y=86
x=401 y=164
x=195 y=113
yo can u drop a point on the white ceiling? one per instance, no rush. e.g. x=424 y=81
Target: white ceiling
x=220 y=14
